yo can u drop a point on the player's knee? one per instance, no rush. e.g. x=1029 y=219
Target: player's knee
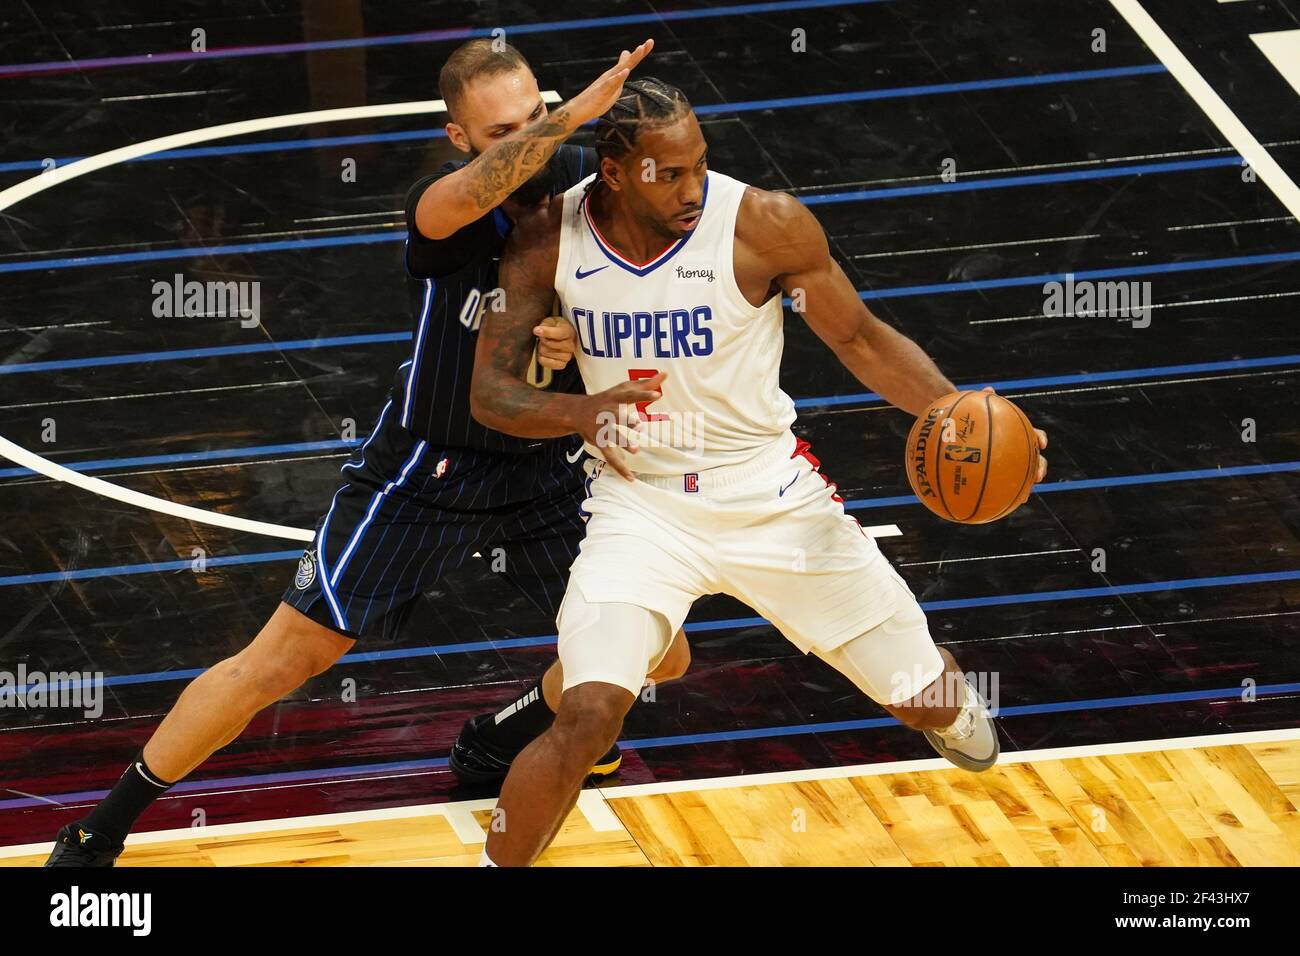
x=289 y=651
x=675 y=663
x=589 y=721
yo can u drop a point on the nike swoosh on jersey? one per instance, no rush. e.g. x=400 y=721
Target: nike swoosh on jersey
x=579 y=274
x=574 y=457
x=781 y=493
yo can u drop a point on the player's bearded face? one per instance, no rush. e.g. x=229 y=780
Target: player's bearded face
x=671 y=201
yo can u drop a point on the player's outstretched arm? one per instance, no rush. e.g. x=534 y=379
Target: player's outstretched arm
x=791 y=241
x=500 y=396
x=462 y=197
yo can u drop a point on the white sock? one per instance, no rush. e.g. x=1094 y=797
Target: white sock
x=486 y=860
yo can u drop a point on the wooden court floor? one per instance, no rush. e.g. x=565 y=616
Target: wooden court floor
x=1234 y=804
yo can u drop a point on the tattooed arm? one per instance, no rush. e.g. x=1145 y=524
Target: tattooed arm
x=500 y=396
x=459 y=198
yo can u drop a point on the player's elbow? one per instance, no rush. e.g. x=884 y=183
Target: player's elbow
x=481 y=406
x=443 y=211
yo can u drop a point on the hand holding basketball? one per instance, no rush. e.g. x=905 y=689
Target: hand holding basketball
x=973 y=457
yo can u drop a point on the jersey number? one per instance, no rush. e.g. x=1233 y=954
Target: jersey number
x=636 y=375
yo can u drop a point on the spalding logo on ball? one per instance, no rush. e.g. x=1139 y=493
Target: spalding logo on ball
x=972 y=457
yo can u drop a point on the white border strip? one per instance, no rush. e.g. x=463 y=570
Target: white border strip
x=456 y=813
x=938 y=763
x=47 y=180
x=1242 y=140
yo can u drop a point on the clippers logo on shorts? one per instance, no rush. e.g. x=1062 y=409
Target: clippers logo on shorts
x=692 y=482
x=306 y=571
x=961 y=453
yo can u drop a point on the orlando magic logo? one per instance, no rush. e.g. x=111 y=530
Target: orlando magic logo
x=306 y=571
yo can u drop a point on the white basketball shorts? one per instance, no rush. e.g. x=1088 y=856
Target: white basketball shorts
x=770 y=531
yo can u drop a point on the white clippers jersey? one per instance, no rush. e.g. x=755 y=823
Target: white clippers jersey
x=682 y=313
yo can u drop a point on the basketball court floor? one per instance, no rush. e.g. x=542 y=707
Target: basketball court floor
x=1140 y=614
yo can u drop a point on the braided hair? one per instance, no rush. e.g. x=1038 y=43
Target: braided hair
x=645 y=103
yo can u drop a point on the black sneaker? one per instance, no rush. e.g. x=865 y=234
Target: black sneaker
x=77 y=846
x=476 y=762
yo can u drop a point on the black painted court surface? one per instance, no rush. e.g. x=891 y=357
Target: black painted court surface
x=1175 y=450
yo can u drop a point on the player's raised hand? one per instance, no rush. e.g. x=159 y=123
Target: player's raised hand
x=557 y=340
x=1042 y=445
x=615 y=424
x=605 y=91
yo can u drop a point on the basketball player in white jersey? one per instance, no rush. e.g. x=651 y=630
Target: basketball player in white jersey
x=673 y=278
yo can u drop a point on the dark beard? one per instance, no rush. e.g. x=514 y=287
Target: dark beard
x=538 y=187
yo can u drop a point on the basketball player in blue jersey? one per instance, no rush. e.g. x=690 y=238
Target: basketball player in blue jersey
x=431 y=486
x=673 y=275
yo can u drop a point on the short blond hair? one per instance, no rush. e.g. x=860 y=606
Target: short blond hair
x=473 y=60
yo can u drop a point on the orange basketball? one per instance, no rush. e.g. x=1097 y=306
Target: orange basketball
x=972 y=457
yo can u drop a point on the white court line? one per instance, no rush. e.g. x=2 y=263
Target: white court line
x=989 y=557
x=43 y=328
x=596 y=809
x=54 y=177
x=938 y=763
x=1283 y=50
x=1233 y=129
x=159 y=96
x=168 y=394
x=464 y=823
x=447 y=810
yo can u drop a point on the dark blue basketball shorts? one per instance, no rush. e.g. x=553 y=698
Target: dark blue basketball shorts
x=409 y=513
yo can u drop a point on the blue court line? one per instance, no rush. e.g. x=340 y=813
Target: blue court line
x=1047 y=381
x=725 y=624
x=868 y=195
x=213 y=351
x=83 y=574
x=975 y=285
x=423 y=36
x=340 y=774
x=336 y=444
x=217 y=454
x=709 y=109
x=931 y=89
x=131 y=358
x=223 y=454
x=197 y=252
x=1119 y=481
x=266 y=146
x=1010 y=182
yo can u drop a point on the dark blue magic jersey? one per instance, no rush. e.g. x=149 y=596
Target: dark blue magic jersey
x=451 y=282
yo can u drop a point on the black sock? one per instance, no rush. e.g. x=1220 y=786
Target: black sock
x=520 y=722
x=131 y=795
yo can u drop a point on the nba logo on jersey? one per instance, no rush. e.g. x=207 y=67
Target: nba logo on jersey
x=692 y=482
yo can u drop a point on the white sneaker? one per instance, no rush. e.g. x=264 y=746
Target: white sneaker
x=972 y=741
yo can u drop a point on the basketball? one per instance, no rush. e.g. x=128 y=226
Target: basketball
x=972 y=457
